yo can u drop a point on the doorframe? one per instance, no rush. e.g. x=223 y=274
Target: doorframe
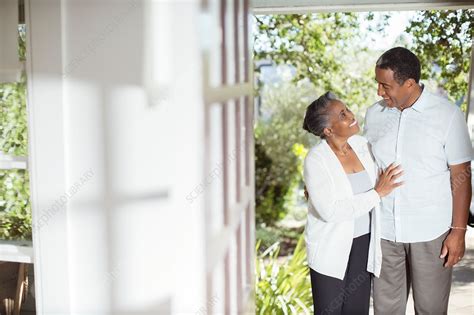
x=309 y=6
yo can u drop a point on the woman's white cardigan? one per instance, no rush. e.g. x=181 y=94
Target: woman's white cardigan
x=333 y=208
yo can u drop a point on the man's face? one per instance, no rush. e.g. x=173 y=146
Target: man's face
x=394 y=94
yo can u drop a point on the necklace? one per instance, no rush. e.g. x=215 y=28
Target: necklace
x=342 y=152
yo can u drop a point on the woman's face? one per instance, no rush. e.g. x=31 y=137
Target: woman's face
x=342 y=122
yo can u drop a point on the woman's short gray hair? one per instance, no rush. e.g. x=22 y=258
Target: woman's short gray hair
x=317 y=116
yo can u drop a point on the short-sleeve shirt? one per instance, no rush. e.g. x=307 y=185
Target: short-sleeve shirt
x=425 y=139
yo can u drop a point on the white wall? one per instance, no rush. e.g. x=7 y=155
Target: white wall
x=116 y=131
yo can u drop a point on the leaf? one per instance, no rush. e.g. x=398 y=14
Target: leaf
x=285 y=291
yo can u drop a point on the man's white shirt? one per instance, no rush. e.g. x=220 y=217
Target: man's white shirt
x=425 y=139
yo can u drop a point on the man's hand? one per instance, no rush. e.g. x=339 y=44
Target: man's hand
x=453 y=248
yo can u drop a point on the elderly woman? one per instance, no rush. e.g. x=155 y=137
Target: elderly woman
x=342 y=233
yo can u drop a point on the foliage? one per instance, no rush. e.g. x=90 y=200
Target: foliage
x=278 y=166
x=325 y=49
x=300 y=152
x=13 y=121
x=443 y=40
x=305 y=41
x=283 y=288
x=15 y=213
x=22 y=42
x=287 y=237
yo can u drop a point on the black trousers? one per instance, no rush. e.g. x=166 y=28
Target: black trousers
x=348 y=296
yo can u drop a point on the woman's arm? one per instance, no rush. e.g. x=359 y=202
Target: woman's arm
x=324 y=197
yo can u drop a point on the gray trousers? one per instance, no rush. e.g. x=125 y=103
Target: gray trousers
x=415 y=265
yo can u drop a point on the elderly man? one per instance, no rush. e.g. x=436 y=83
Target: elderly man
x=423 y=222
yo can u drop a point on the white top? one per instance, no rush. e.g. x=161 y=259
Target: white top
x=332 y=208
x=424 y=138
x=360 y=183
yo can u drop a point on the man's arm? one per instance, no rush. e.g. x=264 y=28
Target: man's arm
x=454 y=244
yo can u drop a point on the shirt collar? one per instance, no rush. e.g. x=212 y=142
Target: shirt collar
x=419 y=105
x=421 y=102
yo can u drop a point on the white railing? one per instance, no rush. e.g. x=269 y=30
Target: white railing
x=8 y=162
x=16 y=251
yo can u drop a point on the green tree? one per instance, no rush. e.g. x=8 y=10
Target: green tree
x=326 y=49
x=15 y=212
x=13 y=121
x=323 y=52
x=277 y=161
x=443 y=40
x=309 y=43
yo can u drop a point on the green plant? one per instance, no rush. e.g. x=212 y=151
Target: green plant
x=13 y=121
x=283 y=288
x=271 y=190
x=287 y=237
x=22 y=42
x=327 y=49
x=309 y=42
x=443 y=40
x=279 y=139
x=15 y=212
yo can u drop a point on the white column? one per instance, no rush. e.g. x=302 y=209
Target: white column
x=46 y=156
x=124 y=144
x=470 y=99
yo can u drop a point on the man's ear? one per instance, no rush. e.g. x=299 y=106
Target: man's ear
x=410 y=83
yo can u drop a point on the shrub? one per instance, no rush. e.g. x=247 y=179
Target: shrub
x=283 y=288
x=287 y=238
x=279 y=143
x=15 y=213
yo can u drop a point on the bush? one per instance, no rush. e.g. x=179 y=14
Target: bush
x=15 y=212
x=283 y=288
x=287 y=237
x=279 y=148
x=13 y=121
x=270 y=194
